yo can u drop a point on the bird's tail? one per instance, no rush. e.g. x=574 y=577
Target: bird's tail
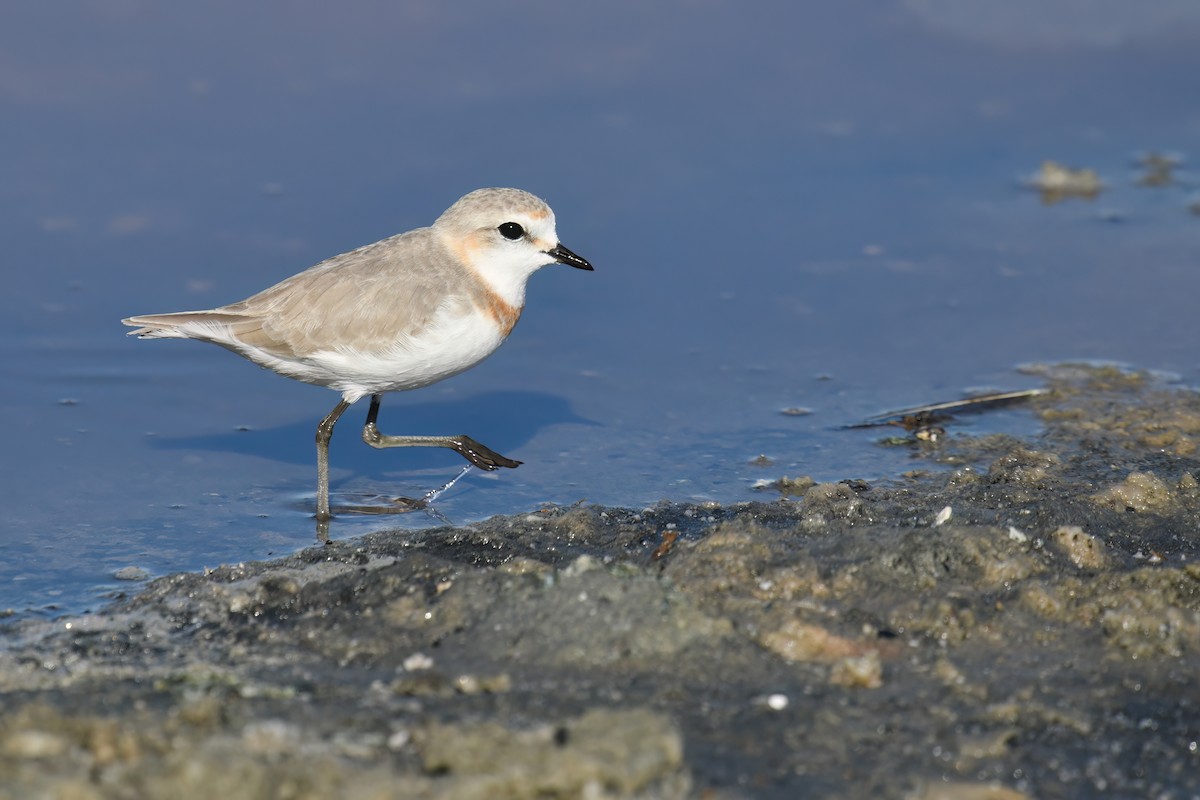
x=179 y=325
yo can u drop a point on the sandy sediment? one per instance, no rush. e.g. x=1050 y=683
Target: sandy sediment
x=1039 y=639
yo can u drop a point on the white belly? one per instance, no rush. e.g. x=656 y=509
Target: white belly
x=447 y=347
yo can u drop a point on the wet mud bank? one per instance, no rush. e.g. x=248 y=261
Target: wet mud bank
x=1014 y=618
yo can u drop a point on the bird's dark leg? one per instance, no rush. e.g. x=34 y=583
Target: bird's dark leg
x=324 y=434
x=479 y=455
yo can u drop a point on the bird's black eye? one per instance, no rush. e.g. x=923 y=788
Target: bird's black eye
x=511 y=230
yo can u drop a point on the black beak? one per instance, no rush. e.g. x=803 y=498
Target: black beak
x=564 y=256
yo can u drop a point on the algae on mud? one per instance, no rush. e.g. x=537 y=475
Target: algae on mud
x=1042 y=642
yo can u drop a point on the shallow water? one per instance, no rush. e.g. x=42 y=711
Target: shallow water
x=805 y=207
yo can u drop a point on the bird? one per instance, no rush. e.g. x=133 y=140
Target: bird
x=399 y=314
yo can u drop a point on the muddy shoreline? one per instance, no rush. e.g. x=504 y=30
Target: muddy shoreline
x=1040 y=638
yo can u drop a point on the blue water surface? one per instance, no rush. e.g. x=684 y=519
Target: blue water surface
x=788 y=205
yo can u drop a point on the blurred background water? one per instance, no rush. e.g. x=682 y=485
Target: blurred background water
x=803 y=205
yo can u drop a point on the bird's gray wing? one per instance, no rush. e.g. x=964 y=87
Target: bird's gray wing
x=368 y=299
